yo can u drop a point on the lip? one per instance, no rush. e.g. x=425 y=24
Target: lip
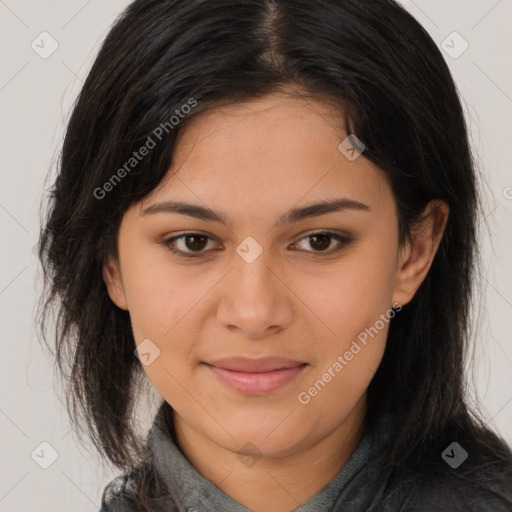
x=256 y=376
x=251 y=365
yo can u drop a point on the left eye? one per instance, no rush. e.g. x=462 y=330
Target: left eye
x=322 y=240
x=187 y=244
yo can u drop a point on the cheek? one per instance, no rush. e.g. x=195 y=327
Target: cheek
x=350 y=295
x=355 y=311
x=167 y=306
x=162 y=309
x=158 y=295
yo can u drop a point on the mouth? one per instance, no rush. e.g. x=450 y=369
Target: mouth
x=255 y=376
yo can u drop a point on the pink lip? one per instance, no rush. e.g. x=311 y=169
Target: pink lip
x=257 y=382
x=251 y=365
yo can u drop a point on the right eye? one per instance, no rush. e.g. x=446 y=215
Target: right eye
x=190 y=245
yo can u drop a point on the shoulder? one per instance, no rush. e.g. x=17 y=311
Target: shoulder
x=138 y=490
x=459 y=495
x=445 y=490
x=465 y=467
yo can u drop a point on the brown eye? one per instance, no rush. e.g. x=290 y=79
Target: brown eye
x=187 y=244
x=194 y=245
x=195 y=242
x=321 y=241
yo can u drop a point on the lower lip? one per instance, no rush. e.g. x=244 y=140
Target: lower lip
x=256 y=383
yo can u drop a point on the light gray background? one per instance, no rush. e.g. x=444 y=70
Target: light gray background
x=35 y=98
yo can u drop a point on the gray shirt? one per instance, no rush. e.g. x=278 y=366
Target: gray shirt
x=361 y=485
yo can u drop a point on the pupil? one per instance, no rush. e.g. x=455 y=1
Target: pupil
x=325 y=241
x=195 y=246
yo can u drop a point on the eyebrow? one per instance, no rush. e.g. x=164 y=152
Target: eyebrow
x=293 y=215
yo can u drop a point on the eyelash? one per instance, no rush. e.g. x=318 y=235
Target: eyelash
x=343 y=240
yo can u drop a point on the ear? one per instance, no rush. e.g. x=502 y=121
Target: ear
x=114 y=283
x=417 y=254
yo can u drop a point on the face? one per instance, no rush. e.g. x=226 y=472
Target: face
x=268 y=278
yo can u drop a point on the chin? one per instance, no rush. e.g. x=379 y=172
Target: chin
x=271 y=440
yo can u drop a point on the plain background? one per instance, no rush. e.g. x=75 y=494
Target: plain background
x=35 y=98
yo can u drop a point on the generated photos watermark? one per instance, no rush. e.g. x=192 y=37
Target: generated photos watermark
x=156 y=136
x=304 y=397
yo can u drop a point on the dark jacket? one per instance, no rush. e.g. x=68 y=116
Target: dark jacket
x=360 y=486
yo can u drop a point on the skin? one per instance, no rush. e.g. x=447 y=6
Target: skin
x=254 y=161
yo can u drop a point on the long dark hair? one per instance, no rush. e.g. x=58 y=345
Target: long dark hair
x=389 y=82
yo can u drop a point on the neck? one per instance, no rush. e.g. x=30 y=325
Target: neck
x=273 y=484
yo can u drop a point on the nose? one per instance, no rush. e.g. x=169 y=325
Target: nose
x=255 y=298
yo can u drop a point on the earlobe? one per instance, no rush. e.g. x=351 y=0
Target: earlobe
x=114 y=284
x=417 y=255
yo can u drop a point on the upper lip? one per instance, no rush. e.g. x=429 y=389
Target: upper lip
x=247 y=364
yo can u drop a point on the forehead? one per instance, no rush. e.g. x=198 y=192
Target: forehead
x=266 y=155
x=273 y=126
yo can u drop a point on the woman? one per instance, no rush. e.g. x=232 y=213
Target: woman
x=268 y=209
